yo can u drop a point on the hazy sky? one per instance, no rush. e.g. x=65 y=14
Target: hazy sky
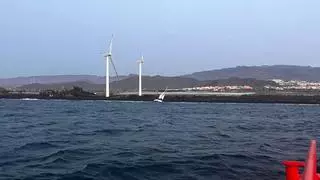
x=41 y=37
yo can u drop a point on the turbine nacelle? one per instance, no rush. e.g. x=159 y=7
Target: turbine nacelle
x=107 y=55
x=140 y=61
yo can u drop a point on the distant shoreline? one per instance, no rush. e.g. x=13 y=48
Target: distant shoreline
x=288 y=99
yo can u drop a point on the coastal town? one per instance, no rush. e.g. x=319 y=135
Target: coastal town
x=281 y=85
x=294 y=85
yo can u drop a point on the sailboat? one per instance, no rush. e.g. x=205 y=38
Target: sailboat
x=161 y=96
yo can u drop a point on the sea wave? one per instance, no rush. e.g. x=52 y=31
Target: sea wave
x=121 y=140
x=36 y=146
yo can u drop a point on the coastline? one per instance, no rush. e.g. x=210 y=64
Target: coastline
x=287 y=99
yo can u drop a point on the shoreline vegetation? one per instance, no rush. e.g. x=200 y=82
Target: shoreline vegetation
x=78 y=93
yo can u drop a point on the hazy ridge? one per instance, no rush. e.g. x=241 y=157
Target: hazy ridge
x=286 y=72
x=241 y=75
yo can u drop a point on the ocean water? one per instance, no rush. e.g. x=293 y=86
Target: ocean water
x=103 y=140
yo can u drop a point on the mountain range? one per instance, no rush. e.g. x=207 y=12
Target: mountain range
x=227 y=75
x=285 y=72
x=54 y=79
x=150 y=83
x=127 y=84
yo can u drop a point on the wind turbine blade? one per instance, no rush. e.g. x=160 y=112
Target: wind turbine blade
x=114 y=68
x=110 y=45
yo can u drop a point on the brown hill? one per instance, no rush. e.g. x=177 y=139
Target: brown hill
x=285 y=72
x=54 y=79
x=128 y=84
x=148 y=83
x=154 y=83
x=87 y=86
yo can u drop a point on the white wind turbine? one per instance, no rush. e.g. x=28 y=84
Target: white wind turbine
x=140 y=62
x=108 y=57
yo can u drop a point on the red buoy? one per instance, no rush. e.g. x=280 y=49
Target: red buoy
x=310 y=166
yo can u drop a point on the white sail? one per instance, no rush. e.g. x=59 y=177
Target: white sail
x=161 y=96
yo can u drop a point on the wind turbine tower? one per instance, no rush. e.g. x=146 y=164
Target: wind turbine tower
x=140 y=62
x=108 y=57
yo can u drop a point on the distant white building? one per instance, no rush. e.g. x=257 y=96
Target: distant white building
x=294 y=85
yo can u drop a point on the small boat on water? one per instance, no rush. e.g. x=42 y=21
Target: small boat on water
x=161 y=97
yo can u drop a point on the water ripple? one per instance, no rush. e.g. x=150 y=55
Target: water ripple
x=66 y=140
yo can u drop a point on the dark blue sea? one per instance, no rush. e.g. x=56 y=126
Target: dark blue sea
x=77 y=140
